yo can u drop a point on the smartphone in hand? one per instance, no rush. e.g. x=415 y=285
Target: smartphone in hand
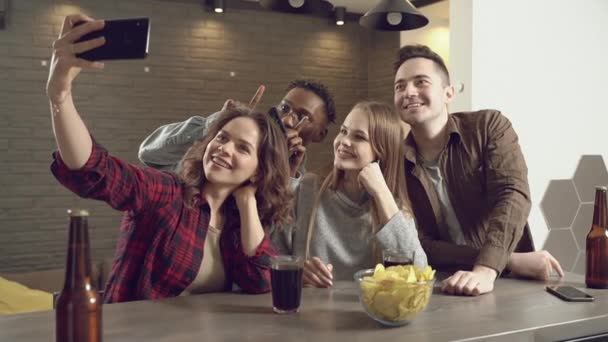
x=569 y=293
x=125 y=39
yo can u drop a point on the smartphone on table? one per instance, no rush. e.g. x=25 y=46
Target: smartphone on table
x=570 y=294
x=125 y=39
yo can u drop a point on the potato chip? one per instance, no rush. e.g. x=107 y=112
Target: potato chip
x=383 y=304
x=397 y=293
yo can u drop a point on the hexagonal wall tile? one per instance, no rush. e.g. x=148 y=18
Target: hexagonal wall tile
x=560 y=243
x=579 y=266
x=582 y=224
x=560 y=203
x=590 y=172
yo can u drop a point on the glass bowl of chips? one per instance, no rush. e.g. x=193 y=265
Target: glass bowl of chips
x=395 y=295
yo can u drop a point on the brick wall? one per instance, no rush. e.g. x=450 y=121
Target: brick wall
x=192 y=55
x=382 y=53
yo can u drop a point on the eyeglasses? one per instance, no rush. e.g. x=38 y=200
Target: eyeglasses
x=285 y=109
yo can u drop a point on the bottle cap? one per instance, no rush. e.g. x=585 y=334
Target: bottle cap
x=78 y=212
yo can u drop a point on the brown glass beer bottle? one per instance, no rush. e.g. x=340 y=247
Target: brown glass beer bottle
x=596 y=275
x=78 y=308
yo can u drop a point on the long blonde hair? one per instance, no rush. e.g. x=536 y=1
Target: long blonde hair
x=387 y=142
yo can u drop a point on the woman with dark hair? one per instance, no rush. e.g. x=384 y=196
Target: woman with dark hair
x=345 y=220
x=201 y=230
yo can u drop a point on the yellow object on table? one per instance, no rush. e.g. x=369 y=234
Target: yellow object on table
x=397 y=292
x=16 y=298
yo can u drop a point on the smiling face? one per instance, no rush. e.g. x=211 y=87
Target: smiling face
x=231 y=158
x=299 y=103
x=352 y=146
x=421 y=93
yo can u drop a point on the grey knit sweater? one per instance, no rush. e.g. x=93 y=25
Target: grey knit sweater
x=343 y=232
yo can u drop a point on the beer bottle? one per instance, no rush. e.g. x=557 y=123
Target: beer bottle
x=78 y=308
x=596 y=274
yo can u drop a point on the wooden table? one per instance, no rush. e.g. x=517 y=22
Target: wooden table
x=517 y=310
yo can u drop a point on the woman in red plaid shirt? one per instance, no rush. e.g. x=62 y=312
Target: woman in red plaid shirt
x=201 y=230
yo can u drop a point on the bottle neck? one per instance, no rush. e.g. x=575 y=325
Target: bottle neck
x=78 y=264
x=600 y=210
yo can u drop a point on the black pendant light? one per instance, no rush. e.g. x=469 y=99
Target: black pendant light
x=298 y=6
x=340 y=15
x=393 y=15
x=219 y=6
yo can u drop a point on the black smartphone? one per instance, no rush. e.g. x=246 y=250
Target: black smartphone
x=570 y=293
x=125 y=39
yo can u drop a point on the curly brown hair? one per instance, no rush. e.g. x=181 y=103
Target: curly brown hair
x=274 y=196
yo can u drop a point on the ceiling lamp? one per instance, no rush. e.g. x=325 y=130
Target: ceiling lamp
x=219 y=6
x=298 y=6
x=296 y=3
x=393 y=15
x=339 y=14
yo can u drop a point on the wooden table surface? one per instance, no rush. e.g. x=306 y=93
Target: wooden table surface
x=517 y=310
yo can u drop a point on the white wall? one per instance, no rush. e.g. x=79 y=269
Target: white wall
x=544 y=64
x=461 y=26
x=436 y=34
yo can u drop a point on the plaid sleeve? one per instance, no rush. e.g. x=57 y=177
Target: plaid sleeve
x=116 y=182
x=251 y=273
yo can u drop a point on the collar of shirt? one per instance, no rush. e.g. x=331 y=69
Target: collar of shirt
x=452 y=129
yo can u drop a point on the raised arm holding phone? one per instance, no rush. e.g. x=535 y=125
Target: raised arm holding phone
x=201 y=230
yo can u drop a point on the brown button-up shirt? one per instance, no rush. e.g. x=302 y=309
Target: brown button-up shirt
x=486 y=178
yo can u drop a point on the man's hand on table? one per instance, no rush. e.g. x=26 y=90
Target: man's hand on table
x=536 y=265
x=470 y=283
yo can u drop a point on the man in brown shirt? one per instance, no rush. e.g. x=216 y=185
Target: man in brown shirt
x=467 y=181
